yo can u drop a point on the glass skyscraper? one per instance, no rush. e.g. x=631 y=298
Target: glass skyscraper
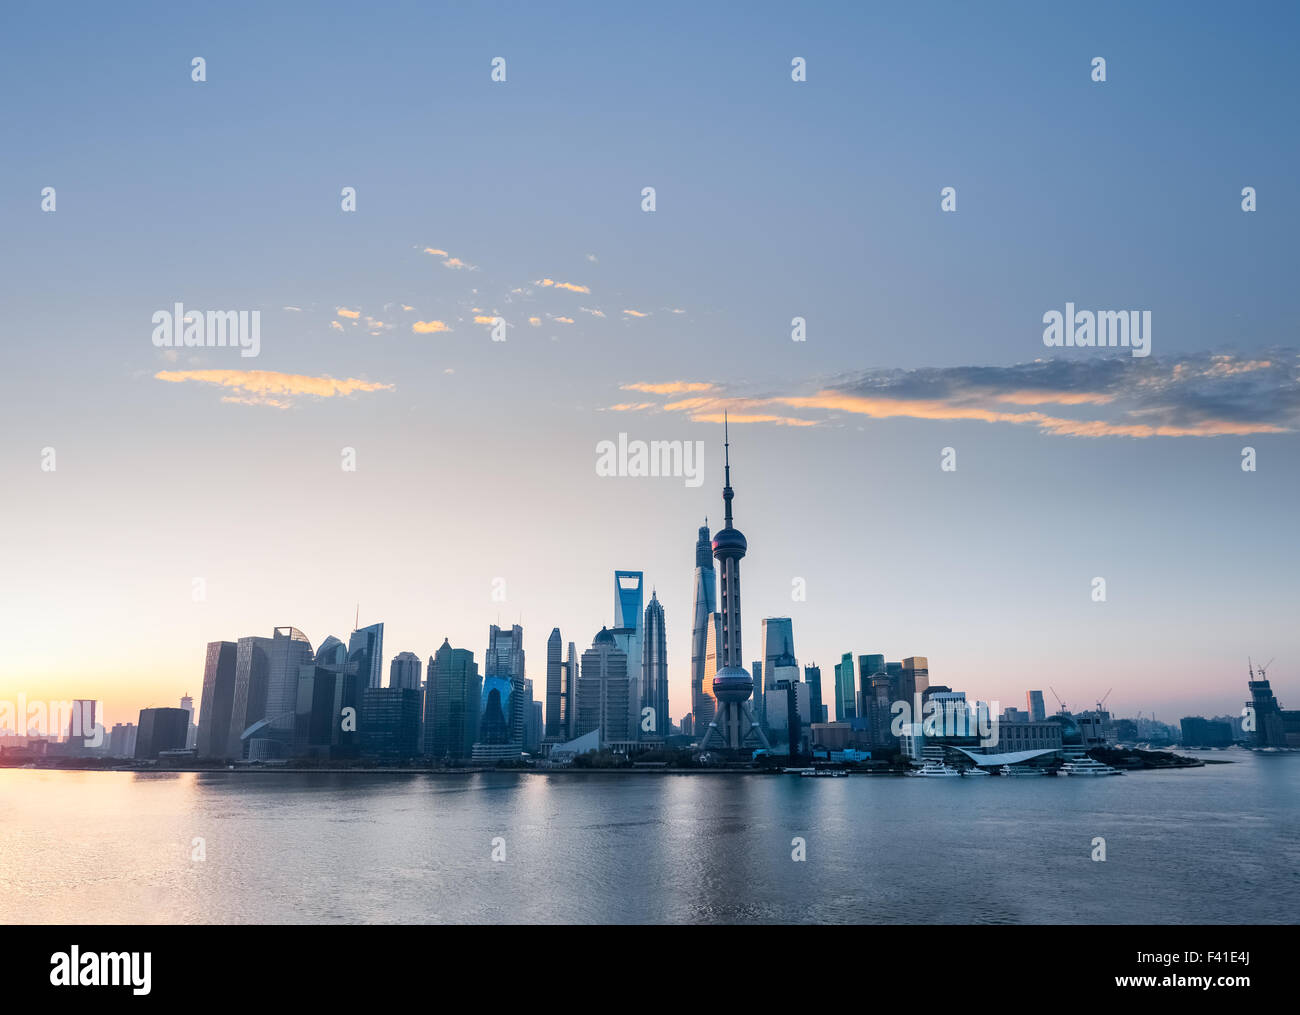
x=654 y=670
x=451 y=704
x=704 y=620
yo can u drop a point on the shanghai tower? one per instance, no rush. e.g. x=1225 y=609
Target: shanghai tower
x=733 y=726
x=706 y=602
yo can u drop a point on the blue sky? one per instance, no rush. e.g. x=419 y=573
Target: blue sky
x=774 y=200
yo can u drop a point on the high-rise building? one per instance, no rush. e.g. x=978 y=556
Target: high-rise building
x=265 y=699
x=916 y=673
x=733 y=726
x=533 y=727
x=503 y=702
x=812 y=676
x=604 y=690
x=654 y=671
x=122 y=740
x=556 y=713
x=706 y=605
x=868 y=666
x=570 y=675
x=1275 y=726
x=191 y=729
x=404 y=671
x=780 y=677
x=760 y=707
x=248 y=701
x=845 y=691
x=1035 y=707
x=218 y=697
x=366 y=654
x=451 y=704
x=160 y=729
x=326 y=685
x=389 y=722
x=629 y=612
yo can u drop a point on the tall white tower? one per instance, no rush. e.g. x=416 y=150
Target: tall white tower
x=733 y=726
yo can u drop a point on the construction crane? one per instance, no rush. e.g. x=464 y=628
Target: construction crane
x=1057 y=697
x=1103 y=699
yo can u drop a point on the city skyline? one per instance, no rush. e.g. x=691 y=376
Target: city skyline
x=198 y=494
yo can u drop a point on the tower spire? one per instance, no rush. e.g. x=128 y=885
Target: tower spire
x=727 y=492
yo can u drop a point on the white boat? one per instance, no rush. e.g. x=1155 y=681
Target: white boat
x=1086 y=766
x=935 y=770
x=974 y=770
x=1021 y=770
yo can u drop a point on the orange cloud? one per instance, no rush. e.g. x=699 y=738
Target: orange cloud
x=572 y=287
x=351 y=314
x=429 y=327
x=669 y=388
x=270 y=388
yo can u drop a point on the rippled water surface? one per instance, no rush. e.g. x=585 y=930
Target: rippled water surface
x=1214 y=844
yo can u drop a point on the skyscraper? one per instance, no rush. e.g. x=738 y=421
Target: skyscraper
x=502 y=705
x=324 y=684
x=555 y=711
x=218 y=697
x=191 y=730
x=629 y=606
x=654 y=671
x=733 y=726
x=780 y=676
x=570 y=674
x=917 y=673
x=812 y=676
x=706 y=603
x=451 y=704
x=160 y=729
x=604 y=690
x=404 y=671
x=366 y=653
x=845 y=696
x=389 y=722
x=1035 y=707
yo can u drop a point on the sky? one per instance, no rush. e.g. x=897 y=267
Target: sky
x=522 y=200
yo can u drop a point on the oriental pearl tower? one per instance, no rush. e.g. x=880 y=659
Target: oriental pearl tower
x=733 y=726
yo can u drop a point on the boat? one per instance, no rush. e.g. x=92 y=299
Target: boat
x=1021 y=770
x=974 y=770
x=935 y=769
x=1086 y=766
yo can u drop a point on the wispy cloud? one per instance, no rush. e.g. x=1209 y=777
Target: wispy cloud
x=270 y=388
x=571 y=286
x=448 y=260
x=429 y=327
x=350 y=314
x=1193 y=396
x=668 y=387
x=635 y=313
